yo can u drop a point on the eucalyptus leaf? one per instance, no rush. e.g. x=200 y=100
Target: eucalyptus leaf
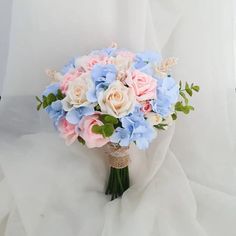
x=111 y=119
x=174 y=116
x=182 y=94
x=45 y=104
x=189 y=91
x=196 y=88
x=108 y=130
x=82 y=141
x=180 y=85
x=51 y=98
x=97 y=129
x=179 y=106
x=59 y=95
x=186 y=109
x=39 y=106
x=38 y=99
x=160 y=126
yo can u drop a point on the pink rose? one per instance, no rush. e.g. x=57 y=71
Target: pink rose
x=92 y=140
x=96 y=59
x=146 y=107
x=70 y=77
x=143 y=85
x=68 y=131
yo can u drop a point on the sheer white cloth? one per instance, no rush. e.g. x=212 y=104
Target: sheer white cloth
x=48 y=189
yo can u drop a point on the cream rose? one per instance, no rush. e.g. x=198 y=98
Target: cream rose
x=117 y=100
x=154 y=118
x=76 y=93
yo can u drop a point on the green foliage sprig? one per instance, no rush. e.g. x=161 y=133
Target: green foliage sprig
x=185 y=92
x=48 y=100
x=108 y=127
x=161 y=126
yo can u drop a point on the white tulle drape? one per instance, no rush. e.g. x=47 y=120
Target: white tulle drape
x=183 y=185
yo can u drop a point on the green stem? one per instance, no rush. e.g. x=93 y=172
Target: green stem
x=118 y=182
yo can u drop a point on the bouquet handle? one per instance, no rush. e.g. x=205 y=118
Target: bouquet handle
x=118 y=181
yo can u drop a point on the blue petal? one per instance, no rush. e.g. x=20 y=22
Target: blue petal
x=57 y=105
x=70 y=65
x=52 y=88
x=72 y=117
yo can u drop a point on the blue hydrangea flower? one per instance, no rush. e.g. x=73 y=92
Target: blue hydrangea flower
x=55 y=112
x=70 y=65
x=144 y=61
x=121 y=136
x=167 y=95
x=52 y=88
x=75 y=115
x=134 y=129
x=102 y=76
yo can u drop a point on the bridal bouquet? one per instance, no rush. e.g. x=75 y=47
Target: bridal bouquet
x=113 y=97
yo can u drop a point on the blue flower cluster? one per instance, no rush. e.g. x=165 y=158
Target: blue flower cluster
x=134 y=129
x=55 y=112
x=76 y=114
x=167 y=95
x=102 y=76
x=144 y=61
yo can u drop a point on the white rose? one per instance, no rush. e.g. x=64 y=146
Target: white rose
x=154 y=118
x=117 y=100
x=76 y=93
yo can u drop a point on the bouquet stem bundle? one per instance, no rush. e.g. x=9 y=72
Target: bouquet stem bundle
x=118 y=181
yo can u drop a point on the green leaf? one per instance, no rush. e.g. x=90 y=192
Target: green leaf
x=180 y=85
x=196 y=88
x=108 y=130
x=182 y=94
x=59 y=95
x=188 y=89
x=38 y=99
x=45 y=104
x=160 y=126
x=108 y=119
x=39 y=106
x=191 y=108
x=97 y=108
x=51 y=98
x=97 y=129
x=186 y=109
x=174 y=116
x=81 y=140
x=179 y=106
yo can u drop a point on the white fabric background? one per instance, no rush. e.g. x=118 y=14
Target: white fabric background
x=49 y=189
x=5 y=17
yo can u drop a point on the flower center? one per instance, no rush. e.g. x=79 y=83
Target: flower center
x=117 y=96
x=77 y=92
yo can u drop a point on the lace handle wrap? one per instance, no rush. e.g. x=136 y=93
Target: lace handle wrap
x=118 y=156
